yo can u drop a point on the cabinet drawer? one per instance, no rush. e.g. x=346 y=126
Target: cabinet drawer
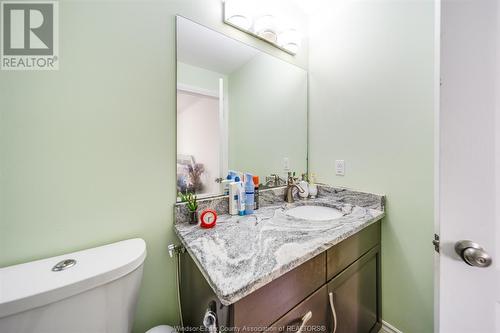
x=317 y=303
x=349 y=250
x=265 y=305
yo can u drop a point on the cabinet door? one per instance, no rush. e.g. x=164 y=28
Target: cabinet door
x=356 y=295
x=197 y=296
x=317 y=322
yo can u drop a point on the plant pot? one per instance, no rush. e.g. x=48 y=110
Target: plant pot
x=193 y=217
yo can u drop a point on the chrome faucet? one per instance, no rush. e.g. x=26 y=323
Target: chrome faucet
x=289 y=188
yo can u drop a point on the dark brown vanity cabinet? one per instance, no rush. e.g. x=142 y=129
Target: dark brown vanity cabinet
x=349 y=271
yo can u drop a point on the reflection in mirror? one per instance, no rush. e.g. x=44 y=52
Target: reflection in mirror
x=237 y=109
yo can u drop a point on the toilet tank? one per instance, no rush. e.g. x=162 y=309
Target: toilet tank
x=98 y=294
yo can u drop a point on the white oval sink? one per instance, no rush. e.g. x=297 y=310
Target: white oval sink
x=316 y=213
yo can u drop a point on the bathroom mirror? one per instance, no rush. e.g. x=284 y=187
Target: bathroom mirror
x=238 y=108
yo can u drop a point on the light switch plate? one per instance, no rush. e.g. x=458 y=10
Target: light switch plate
x=286 y=164
x=340 y=167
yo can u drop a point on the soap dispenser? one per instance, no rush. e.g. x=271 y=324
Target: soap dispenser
x=304 y=186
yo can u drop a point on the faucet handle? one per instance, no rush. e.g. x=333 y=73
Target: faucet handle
x=292 y=179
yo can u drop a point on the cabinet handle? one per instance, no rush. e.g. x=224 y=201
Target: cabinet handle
x=334 y=313
x=305 y=319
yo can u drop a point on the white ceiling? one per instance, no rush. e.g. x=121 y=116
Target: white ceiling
x=202 y=47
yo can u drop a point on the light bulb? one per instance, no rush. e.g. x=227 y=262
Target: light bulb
x=265 y=27
x=289 y=40
x=238 y=13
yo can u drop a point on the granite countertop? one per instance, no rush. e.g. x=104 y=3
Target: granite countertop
x=244 y=253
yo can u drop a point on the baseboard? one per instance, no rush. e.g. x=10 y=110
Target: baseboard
x=388 y=328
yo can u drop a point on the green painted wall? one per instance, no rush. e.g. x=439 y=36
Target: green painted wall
x=267 y=110
x=87 y=153
x=371 y=104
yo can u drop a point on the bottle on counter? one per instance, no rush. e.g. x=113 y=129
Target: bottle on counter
x=225 y=184
x=233 y=198
x=240 y=196
x=256 y=192
x=249 y=194
x=313 y=188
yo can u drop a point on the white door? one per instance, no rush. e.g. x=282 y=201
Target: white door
x=469 y=165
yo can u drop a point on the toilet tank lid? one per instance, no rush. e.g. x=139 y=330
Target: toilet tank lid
x=34 y=284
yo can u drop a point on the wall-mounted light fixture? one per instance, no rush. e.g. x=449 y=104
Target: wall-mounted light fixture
x=238 y=14
x=263 y=20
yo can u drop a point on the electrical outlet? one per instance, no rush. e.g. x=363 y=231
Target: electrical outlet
x=340 y=167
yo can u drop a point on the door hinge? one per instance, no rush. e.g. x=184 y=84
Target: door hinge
x=435 y=242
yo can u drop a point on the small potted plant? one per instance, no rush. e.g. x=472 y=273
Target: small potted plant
x=192 y=205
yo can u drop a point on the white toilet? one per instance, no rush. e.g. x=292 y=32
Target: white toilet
x=90 y=291
x=162 y=329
